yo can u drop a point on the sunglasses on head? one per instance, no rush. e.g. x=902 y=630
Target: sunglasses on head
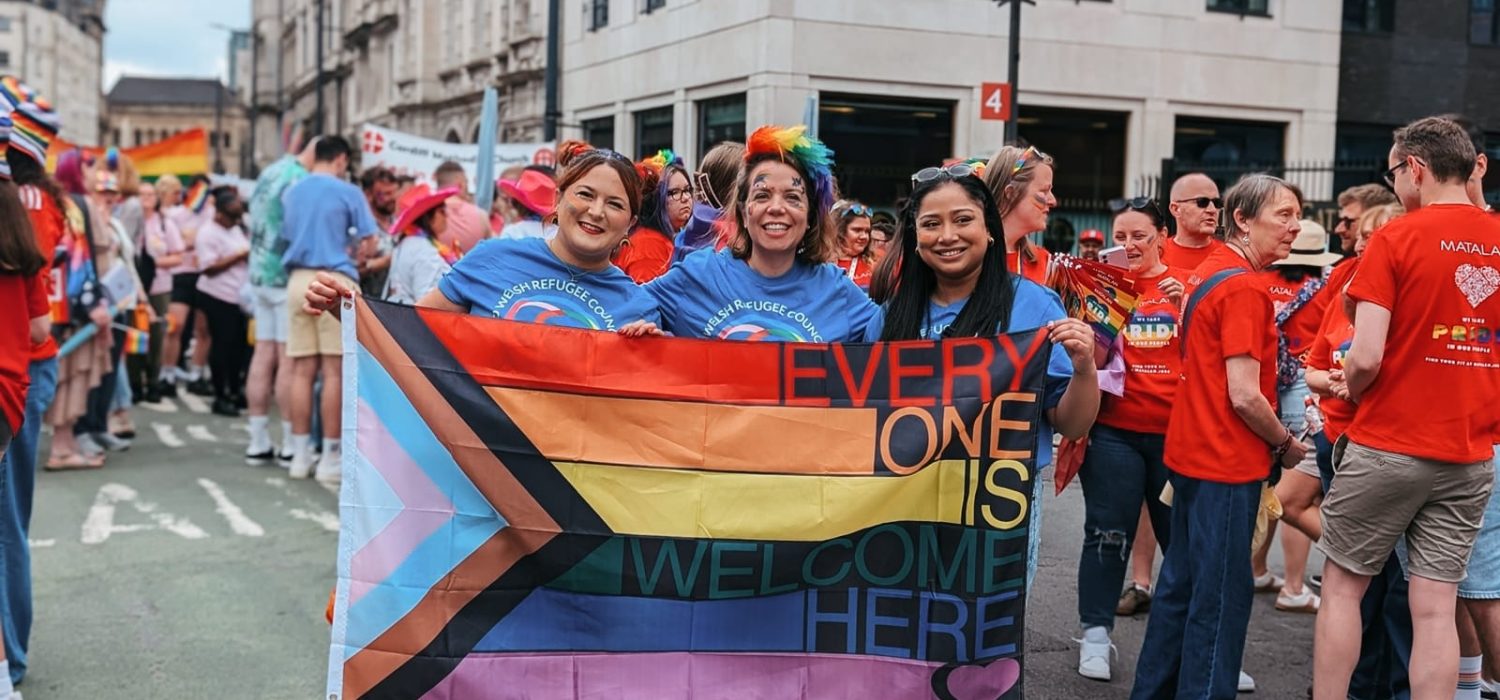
x=1141 y=204
x=956 y=170
x=1203 y=202
x=858 y=210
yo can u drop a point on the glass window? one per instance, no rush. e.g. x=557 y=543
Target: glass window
x=720 y=119
x=1243 y=7
x=4 y=24
x=599 y=133
x=653 y=5
x=1484 y=22
x=878 y=139
x=4 y=59
x=1369 y=15
x=598 y=14
x=653 y=130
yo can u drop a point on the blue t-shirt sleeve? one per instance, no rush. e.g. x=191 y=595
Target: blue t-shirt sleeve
x=876 y=326
x=468 y=276
x=364 y=222
x=667 y=292
x=862 y=310
x=1035 y=306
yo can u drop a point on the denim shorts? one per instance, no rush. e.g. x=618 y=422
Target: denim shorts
x=1483 y=579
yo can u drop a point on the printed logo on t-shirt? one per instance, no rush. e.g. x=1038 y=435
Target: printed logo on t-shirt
x=1339 y=353
x=1149 y=332
x=761 y=320
x=1477 y=283
x=553 y=302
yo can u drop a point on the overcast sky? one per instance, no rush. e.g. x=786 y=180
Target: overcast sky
x=169 y=37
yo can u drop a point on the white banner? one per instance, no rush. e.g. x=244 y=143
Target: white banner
x=418 y=157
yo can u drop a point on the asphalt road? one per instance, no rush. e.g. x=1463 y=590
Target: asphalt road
x=177 y=571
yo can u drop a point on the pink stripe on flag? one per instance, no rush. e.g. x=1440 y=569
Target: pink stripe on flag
x=426 y=507
x=668 y=676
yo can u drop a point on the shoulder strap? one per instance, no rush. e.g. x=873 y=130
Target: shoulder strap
x=1198 y=295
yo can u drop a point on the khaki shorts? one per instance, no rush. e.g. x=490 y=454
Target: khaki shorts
x=308 y=335
x=1377 y=497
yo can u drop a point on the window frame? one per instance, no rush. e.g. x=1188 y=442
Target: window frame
x=598 y=14
x=1243 y=11
x=1376 y=12
x=649 y=6
x=1492 y=37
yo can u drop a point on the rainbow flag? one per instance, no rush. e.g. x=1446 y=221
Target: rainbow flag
x=196 y=197
x=137 y=342
x=184 y=154
x=531 y=511
x=1099 y=294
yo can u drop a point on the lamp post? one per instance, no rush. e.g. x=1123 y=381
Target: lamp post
x=1014 y=61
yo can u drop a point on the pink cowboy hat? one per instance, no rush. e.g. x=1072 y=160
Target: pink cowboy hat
x=418 y=201
x=533 y=190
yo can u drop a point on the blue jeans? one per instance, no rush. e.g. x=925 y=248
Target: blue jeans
x=1195 y=640
x=17 y=486
x=1121 y=470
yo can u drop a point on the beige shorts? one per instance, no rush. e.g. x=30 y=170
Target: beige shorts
x=1377 y=497
x=308 y=335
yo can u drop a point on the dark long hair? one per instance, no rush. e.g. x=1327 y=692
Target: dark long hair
x=18 y=252
x=27 y=171
x=906 y=282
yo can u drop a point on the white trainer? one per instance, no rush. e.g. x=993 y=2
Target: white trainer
x=1094 y=654
x=330 y=467
x=1247 y=684
x=302 y=465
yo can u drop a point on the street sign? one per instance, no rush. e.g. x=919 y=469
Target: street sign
x=994 y=101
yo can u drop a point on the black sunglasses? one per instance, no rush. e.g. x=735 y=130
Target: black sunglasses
x=1343 y=221
x=1140 y=204
x=1390 y=175
x=1203 y=202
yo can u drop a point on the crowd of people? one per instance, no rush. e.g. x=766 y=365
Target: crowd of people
x=1255 y=368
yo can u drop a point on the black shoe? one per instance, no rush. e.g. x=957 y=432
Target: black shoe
x=225 y=407
x=166 y=390
x=200 y=387
x=261 y=458
x=241 y=402
x=152 y=394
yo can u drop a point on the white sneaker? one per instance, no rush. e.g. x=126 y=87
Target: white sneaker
x=330 y=467
x=302 y=465
x=1093 y=655
x=1247 y=684
x=1305 y=602
x=88 y=446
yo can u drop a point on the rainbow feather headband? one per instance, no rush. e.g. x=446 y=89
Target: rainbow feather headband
x=792 y=145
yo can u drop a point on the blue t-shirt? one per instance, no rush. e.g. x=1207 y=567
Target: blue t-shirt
x=520 y=279
x=323 y=218
x=715 y=295
x=1034 y=307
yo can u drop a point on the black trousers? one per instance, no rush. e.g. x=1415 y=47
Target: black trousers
x=227 y=328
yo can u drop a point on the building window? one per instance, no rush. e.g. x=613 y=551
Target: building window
x=1369 y=15
x=4 y=59
x=4 y=23
x=653 y=130
x=879 y=137
x=1484 y=22
x=598 y=14
x=114 y=137
x=599 y=133
x=225 y=136
x=1241 y=7
x=654 y=5
x=720 y=119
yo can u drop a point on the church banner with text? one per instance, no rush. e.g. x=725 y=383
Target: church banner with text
x=537 y=512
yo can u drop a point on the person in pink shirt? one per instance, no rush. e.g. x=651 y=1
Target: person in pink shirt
x=224 y=270
x=467 y=224
x=163 y=242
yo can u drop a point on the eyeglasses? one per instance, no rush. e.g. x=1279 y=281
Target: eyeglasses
x=1145 y=205
x=858 y=210
x=956 y=170
x=1021 y=162
x=680 y=193
x=1202 y=202
x=1390 y=175
x=1343 y=221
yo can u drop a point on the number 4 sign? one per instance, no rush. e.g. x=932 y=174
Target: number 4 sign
x=994 y=101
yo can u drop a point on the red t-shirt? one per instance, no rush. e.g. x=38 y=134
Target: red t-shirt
x=1176 y=255
x=645 y=255
x=1153 y=360
x=1206 y=438
x=48 y=224
x=1328 y=350
x=1034 y=270
x=1302 y=327
x=1437 y=270
x=15 y=340
x=858 y=269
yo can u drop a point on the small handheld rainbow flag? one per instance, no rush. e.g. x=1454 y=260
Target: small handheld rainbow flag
x=1098 y=294
x=137 y=342
x=197 y=197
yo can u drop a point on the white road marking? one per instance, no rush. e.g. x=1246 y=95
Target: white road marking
x=99 y=524
x=199 y=432
x=276 y=481
x=166 y=434
x=163 y=406
x=238 y=521
x=39 y=544
x=329 y=521
x=191 y=400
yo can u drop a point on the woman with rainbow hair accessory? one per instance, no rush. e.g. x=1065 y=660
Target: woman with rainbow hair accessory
x=1021 y=182
x=666 y=205
x=772 y=281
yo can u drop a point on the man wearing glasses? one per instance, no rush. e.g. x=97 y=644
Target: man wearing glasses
x=1353 y=202
x=1195 y=205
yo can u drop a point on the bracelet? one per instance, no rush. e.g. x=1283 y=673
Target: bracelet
x=1281 y=450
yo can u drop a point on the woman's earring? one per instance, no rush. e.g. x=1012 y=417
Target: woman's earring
x=1245 y=239
x=992 y=240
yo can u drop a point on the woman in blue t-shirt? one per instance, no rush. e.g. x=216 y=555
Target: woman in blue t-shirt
x=771 y=282
x=566 y=280
x=950 y=280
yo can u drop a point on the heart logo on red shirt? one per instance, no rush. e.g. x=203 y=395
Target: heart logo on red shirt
x=1477 y=283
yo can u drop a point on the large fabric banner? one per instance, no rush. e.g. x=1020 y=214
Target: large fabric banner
x=537 y=512
x=409 y=154
x=183 y=154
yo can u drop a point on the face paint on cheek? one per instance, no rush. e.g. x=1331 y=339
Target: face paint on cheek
x=1040 y=200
